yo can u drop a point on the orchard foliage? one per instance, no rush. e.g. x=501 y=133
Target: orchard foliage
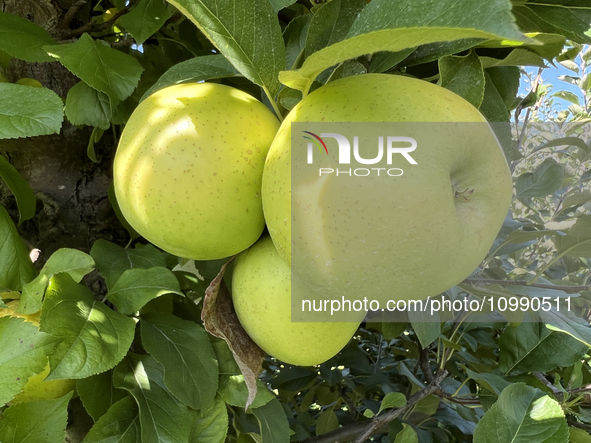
x=146 y=368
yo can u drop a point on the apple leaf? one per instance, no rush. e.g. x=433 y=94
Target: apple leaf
x=331 y=23
x=100 y=66
x=21 y=355
x=392 y=400
x=234 y=392
x=70 y=261
x=90 y=337
x=384 y=61
x=520 y=413
x=578 y=436
x=113 y=260
x=464 y=76
x=120 y=424
x=246 y=32
x=146 y=18
x=36 y=421
x=532 y=347
x=577 y=241
x=379 y=27
x=27 y=111
x=87 y=106
x=208 y=67
x=184 y=350
x=25 y=198
x=280 y=4
x=23 y=39
x=210 y=424
x=136 y=287
x=16 y=268
x=163 y=418
x=98 y=393
x=273 y=422
x=406 y=435
x=220 y=320
x=566 y=322
x=545 y=180
x=492 y=382
x=294 y=36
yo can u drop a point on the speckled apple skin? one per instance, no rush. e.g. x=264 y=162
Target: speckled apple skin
x=36 y=387
x=261 y=292
x=426 y=240
x=188 y=169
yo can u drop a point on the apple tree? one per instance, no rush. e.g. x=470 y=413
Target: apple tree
x=105 y=337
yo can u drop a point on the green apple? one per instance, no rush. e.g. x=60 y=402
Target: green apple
x=36 y=387
x=188 y=169
x=261 y=292
x=391 y=238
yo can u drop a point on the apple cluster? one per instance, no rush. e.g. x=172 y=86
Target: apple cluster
x=202 y=168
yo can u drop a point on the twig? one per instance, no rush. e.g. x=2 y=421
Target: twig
x=96 y=27
x=69 y=16
x=459 y=400
x=360 y=432
x=581 y=390
x=380 y=420
x=425 y=364
x=567 y=289
x=557 y=392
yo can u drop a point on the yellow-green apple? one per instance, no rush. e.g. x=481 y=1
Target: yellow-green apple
x=188 y=169
x=407 y=236
x=37 y=388
x=261 y=292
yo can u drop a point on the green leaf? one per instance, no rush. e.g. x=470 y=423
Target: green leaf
x=380 y=27
x=113 y=260
x=434 y=51
x=506 y=80
x=280 y=4
x=407 y=435
x=145 y=19
x=184 y=350
x=578 y=436
x=493 y=107
x=70 y=261
x=100 y=66
x=564 y=141
x=331 y=23
x=545 y=180
x=119 y=424
x=522 y=414
x=36 y=421
x=210 y=424
x=426 y=326
x=392 y=400
x=22 y=39
x=273 y=422
x=25 y=197
x=384 y=61
x=246 y=32
x=208 y=67
x=234 y=392
x=16 y=268
x=90 y=337
x=163 y=418
x=328 y=421
x=570 y=19
x=87 y=106
x=517 y=57
x=568 y=96
x=27 y=112
x=98 y=393
x=577 y=241
x=136 y=287
x=566 y=323
x=492 y=382
x=21 y=355
x=532 y=347
x=464 y=76
x=294 y=36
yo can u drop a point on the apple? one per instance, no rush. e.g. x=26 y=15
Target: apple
x=36 y=387
x=188 y=169
x=261 y=292
x=403 y=237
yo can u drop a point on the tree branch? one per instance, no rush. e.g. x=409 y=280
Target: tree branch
x=567 y=289
x=69 y=16
x=96 y=27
